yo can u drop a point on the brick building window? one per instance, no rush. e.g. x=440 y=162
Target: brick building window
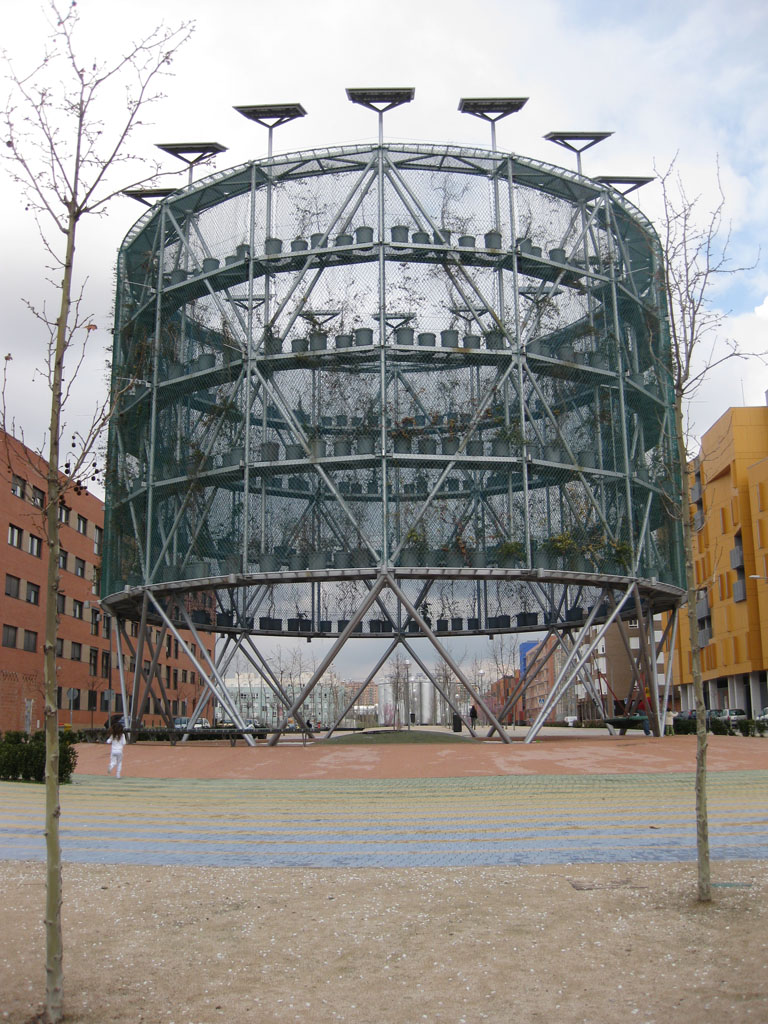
x=93 y=661
x=18 y=486
x=59 y=647
x=35 y=545
x=106 y=664
x=76 y=651
x=95 y=616
x=30 y=641
x=15 y=536
x=64 y=515
x=63 y=558
x=98 y=540
x=92 y=700
x=9 y=636
x=33 y=593
x=77 y=609
x=61 y=604
x=12 y=585
x=82 y=525
x=38 y=497
x=80 y=568
x=106 y=627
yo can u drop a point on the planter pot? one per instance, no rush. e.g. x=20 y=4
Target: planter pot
x=509 y=561
x=198 y=570
x=343 y=240
x=404 y=336
x=500 y=447
x=342 y=448
x=294 y=625
x=467 y=241
x=224 y=618
x=575 y=614
x=557 y=255
x=427 y=446
x=473 y=623
x=427 y=339
x=587 y=459
x=450 y=445
x=457 y=624
x=297 y=483
x=442 y=625
x=402 y=445
x=201 y=617
x=299 y=245
x=325 y=625
x=355 y=487
x=527 y=619
x=342 y=560
x=206 y=361
x=343 y=341
x=449 y=339
x=317 y=560
x=554 y=453
x=503 y=622
x=452 y=483
x=471 y=341
x=297 y=562
x=598 y=361
x=178 y=276
x=361 y=558
x=421 y=238
x=318 y=240
x=341 y=420
x=364 y=236
x=363 y=337
x=210 y=264
x=299 y=345
x=366 y=444
x=442 y=236
x=269 y=562
x=400 y=233
x=273 y=246
x=318 y=340
x=494 y=340
x=270 y=451
x=294 y=451
x=242 y=251
x=317 y=448
x=273 y=346
x=565 y=353
x=492 y=239
x=475 y=448
x=410 y=557
x=454 y=560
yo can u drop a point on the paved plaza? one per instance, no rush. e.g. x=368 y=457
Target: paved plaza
x=558 y=802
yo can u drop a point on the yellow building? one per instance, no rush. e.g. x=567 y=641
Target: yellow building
x=729 y=492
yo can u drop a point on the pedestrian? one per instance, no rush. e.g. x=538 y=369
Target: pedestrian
x=116 y=741
x=473 y=715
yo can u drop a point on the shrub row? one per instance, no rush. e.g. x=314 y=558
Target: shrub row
x=22 y=758
x=721 y=727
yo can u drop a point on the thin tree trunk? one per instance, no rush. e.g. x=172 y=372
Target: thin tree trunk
x=702 y=819
x=54 y=974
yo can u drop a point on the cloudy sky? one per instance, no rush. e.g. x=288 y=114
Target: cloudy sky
x=673 y=77
x=677 y=77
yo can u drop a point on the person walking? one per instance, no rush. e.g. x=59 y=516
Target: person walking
x=116 y=741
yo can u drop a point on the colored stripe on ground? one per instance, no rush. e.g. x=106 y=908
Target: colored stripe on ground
x=448 y=822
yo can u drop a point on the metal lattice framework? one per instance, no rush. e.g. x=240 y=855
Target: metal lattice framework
x=425 y=384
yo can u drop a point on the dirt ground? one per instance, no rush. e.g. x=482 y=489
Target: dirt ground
x=588 y=944
x=568 y=944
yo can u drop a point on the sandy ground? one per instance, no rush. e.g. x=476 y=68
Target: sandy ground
x=593 y=944
x=570 y=944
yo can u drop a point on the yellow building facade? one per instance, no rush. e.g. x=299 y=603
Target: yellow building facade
x=729 y=492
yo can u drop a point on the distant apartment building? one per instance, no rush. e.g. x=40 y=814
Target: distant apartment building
x=89 y=686
x=729 y=493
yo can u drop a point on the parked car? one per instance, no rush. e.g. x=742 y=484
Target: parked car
x=181 y=724
x=733 y=715
x=763 y=716
x=202 y=723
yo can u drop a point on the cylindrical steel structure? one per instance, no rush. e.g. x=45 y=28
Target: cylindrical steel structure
x=401 y=376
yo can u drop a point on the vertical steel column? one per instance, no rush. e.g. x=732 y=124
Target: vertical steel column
x=153 y=413
x=382 y=350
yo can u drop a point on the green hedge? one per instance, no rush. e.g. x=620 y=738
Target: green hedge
x=23 y=758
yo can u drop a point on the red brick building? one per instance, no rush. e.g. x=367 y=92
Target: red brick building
x=86 y=664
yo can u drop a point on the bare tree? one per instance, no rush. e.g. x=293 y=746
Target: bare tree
x=67 y=124
x=696 y=255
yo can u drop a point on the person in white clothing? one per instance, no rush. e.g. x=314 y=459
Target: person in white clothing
x=116 y=741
